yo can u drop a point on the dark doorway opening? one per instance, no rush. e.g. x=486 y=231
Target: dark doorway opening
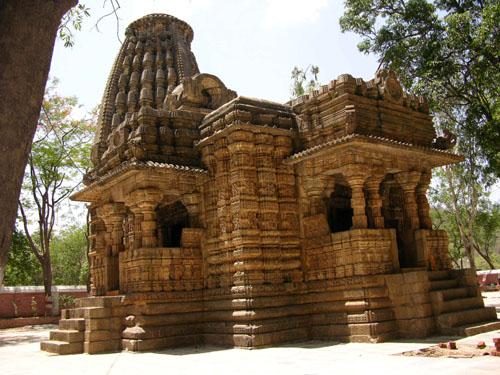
x=393 y=213
x=339 y=209
x=172 y=219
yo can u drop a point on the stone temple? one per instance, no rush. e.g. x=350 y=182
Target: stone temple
x=225 y=220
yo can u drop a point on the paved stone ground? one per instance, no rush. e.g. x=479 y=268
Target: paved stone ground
x=20 y=354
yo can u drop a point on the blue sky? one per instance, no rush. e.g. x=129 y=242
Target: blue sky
x=251 y=45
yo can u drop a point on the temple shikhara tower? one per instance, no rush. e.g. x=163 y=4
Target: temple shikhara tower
x=226 y=220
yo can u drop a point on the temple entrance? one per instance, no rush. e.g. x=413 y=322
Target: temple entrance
x=339 y=210
x=112 y=266
x=172 y=219
x=393 y=213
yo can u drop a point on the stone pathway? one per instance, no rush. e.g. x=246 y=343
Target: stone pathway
x=20 y=354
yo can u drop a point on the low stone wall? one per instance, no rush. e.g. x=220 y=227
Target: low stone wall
x=357 y=252
x=16 y=301
x=22 y=322
x=161 y=269
x=432 y=249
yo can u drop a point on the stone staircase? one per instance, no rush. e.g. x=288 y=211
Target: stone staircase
x=93 y=326
x=458 y=306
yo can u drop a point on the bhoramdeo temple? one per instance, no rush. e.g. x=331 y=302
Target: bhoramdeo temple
x=219 y=219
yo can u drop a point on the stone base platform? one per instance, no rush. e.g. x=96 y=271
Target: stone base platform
x=377 y=308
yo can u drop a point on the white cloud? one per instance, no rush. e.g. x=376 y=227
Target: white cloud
x=284 y=13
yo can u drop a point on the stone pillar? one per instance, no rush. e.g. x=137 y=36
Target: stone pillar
x=315 y=188
x=408 y=182
x=375 y=218
x=357 y=181
x=113 y=215
x=223 y=193
x=243 y=179
x=97 y=251
x=422 y=203
x=192 y=203
x=244 y=208
x=143 y=204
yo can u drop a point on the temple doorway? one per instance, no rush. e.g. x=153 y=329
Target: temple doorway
x=339 y=210
x=172 y=218
x=393 y=213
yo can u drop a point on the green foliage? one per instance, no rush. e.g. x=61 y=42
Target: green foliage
x=69 y=257
x=60 y=155
x=22 y=265
x=461 y=206
x=72 y=21
x=447 y=50
x=66 y=302
x=304 y=81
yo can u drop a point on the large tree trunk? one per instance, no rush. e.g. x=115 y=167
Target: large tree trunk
x=469 y=252
x=47 y=275
x=28 y=30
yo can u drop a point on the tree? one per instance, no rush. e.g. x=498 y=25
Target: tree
x=28 y=30
x=22 y=266
x=447 y=50
x=59 y=157
x=304 y=80
x=69 y=256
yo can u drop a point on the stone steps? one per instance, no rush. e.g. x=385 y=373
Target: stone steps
x=461 y=304
x=69 y=336
x=456 y=293
x=466 y=317
x=439 y=275
x=459 y=310
x=68 y=339
x=77 y=324
x=105 y=301
x=94 y=326
x=444 y=284
x=61 y=347
x=475 y=329
x=471 y=329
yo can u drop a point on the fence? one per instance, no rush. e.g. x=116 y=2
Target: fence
x=29 y=301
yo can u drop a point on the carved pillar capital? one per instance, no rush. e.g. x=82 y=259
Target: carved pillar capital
x=408 y=180
x=144 y=196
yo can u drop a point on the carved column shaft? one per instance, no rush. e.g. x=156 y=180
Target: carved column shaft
x=408 y=182
x=243 y=179
x=143 y=204
x=376 y=220
x=113 y=215
x=422 y=202
x=356 y=182
x=315 y=187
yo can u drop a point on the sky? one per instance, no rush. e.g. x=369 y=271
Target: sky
x=251 y=45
